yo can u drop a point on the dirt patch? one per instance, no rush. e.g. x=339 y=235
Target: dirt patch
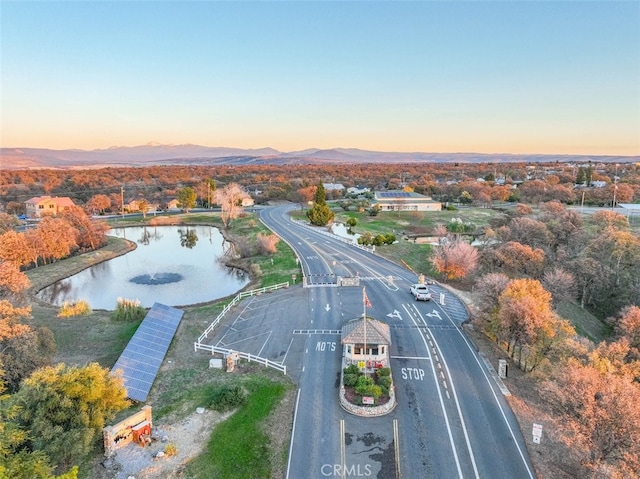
x=189 y=435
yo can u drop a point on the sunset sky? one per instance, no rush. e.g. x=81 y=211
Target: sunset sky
x=488 y=77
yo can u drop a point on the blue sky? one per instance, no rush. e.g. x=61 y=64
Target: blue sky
x=491 y=77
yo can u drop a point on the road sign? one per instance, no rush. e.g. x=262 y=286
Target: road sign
x=537 y=433
x=367 y=400
x=361 y=364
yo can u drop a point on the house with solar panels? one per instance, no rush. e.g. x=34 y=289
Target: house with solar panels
x=398 y=200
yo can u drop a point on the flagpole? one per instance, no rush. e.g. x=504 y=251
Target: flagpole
x=364 y=318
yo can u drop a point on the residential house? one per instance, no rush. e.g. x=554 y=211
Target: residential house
x=358 y=190
x=333 y=187
x=43 y=205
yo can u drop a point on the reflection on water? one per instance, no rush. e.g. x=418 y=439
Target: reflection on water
x=170 y=265
x=188 y=238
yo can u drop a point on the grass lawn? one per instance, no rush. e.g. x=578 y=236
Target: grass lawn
x=238 y=447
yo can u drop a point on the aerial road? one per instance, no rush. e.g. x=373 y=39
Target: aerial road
x=451 y=419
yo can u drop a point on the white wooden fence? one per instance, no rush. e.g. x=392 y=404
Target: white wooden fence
x=250 y=357
x=213 y=349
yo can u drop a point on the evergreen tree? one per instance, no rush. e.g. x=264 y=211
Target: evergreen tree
x=320 y=214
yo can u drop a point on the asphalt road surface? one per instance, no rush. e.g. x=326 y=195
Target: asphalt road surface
x=451 y=419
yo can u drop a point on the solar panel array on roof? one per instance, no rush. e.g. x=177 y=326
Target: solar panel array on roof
x=394 y=194
x=141 y=359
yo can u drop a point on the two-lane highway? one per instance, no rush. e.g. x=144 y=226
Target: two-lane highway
x=451 y=420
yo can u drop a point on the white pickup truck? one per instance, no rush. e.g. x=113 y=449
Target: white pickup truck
x=420 y=292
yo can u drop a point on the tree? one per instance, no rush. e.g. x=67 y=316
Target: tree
x=91 y=234
x=560 y=284
x=515 y=259
x=600 y=415
x=66 y=407
x=488 y=289
x=525 y=316
x=305 y=195
x=12 y=281
x=8 y=222
x=24 y=353
x=230 y=198
x=16 y=462
x=186 y=198
x=526 y=231
x=628 y=325
x=143 y=207
x=56 y=238
x=15 y=248
x=454 y=259
x=99 y=203
x=320 y=214
x=606 y=218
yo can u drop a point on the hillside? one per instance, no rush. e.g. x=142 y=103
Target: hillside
x=155 y=154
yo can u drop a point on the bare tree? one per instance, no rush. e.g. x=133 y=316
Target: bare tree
x=230 y=198
x=560 y=284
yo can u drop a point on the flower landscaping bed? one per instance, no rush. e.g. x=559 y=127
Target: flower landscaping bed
x=358 y=385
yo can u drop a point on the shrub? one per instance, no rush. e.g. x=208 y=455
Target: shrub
x=352 y=369
x=350 y=380
x=385 y=383
x=365 y=239
x=78 y=308
x=226 y=398
x=267 y=243
x=383 y=372
x=351 y=222
x=363 y=384
x=128 y=310
x=171 y=449
x=378 y=240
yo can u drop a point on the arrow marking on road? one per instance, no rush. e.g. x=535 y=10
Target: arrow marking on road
x=327 y=307
x=434 y=314
x=395 y=314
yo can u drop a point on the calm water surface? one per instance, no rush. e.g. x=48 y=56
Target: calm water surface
x=172 y=265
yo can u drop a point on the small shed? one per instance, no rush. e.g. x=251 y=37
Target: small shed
x=366 y=343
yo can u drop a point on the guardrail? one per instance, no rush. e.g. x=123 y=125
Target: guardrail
x=239 y=296
x=214 y=349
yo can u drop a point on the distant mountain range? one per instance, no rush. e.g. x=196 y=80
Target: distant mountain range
x=155 y=154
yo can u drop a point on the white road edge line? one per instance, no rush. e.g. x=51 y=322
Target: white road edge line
x=343 y=451
x=293 y=433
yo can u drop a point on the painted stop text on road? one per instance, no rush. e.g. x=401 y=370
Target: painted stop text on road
x=325 y=346
x=415 y=374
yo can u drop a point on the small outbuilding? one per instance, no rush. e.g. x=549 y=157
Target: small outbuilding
x=366 y=343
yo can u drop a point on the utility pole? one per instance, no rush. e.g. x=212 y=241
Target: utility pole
x=615 y=187
x=122 y=201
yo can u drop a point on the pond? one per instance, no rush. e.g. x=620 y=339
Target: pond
x=172 y=265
